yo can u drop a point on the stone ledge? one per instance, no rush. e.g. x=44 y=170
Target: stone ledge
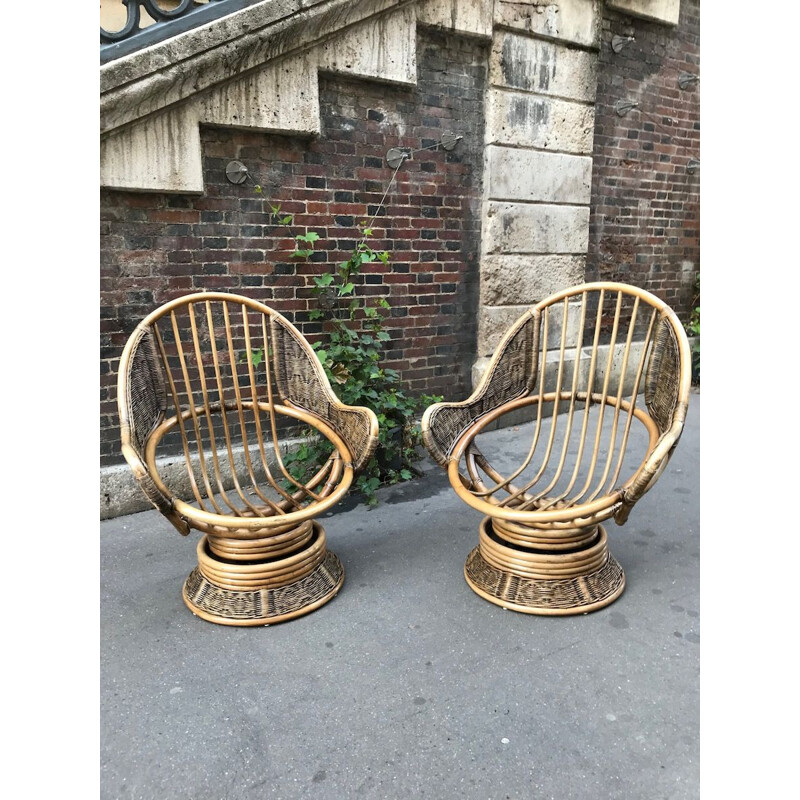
x=470 y=17
x=481 y=365
x=666 y=12
x=575 y=21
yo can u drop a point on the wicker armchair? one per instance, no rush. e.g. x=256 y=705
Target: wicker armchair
x=213 y=379
x=574 y=366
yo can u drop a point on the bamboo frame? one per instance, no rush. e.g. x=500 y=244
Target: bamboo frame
x=543 y=531
x=262 y=558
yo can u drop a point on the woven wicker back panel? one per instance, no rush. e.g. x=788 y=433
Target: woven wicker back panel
x=511 y=374
x=663 y=376
x=146 y=398
x=301 y=381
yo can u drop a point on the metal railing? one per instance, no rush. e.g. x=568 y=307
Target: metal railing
x=169 y=19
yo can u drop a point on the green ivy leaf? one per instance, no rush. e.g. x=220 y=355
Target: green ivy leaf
x=324 y=280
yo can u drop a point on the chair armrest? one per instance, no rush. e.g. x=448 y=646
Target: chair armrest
x=511 y=374
x=302 y=382
x=652 y=468
x=161 y=501
x=141 y=401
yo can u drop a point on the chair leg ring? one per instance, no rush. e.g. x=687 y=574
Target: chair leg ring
x=263 y=592
x=546 y=583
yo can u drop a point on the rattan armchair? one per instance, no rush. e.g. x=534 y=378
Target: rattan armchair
x=573 y=366
x=216 y=381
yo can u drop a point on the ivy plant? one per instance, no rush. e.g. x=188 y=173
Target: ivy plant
x=694 y=330
x=352 y=354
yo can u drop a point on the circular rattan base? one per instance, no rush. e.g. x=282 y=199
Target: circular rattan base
x=594 y=588
x=264 y=606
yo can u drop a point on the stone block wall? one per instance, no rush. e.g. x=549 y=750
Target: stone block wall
x=644 y=224
x=157 y=246
x=538 y=165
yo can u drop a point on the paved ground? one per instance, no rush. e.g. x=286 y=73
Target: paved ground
x=407 y=684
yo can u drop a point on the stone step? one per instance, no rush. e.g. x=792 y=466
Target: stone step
x=161 y=151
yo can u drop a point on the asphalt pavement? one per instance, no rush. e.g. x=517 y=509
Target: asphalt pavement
x=407 y=684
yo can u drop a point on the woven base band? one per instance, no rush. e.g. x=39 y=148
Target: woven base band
x=596 y=587
x=264 y=606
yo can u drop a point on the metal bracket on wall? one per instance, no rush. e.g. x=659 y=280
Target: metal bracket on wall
x=623 y=107
x=686 y=79
x=620 y=42
x=236 y=172
x=397 y=155
x=693 y=165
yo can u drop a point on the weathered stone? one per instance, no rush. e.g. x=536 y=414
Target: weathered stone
x=615 y=368
x=551 y=362
x=161 y=153
x=524 y=228
x=280 y=97
x=172 y=71
x=192 y=43
x=384 y=48
x=601 y=362
x=473 y=17
x=534 y=176
x=666 y=11
x=527 y=120
x=514 y=279
x=495 y=321
x=572 y=20
x=479 y=370
x=535 y=65
x=550 y=339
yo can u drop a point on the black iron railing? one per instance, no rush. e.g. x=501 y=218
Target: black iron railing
x=187 y=14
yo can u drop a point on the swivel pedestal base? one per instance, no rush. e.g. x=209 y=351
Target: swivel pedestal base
x=563 y=577
x=232 y=589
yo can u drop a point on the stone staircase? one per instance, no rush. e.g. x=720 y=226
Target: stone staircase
x=255 y=69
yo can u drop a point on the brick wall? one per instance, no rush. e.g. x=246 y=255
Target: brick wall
x=644 y=226
x=155 y=247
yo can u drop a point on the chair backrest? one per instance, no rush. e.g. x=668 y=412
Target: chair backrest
x=590 y=349
x=217 y=379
